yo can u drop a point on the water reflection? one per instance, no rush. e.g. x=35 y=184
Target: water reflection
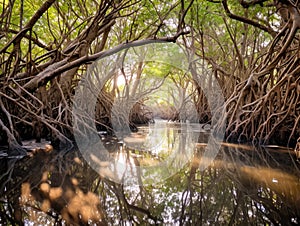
x=153 y=154
x=242 y=186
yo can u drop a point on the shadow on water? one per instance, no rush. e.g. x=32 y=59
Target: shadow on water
x=243 y=186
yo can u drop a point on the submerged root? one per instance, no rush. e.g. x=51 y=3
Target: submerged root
x=15 y=149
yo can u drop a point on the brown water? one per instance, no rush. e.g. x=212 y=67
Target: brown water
x=243 y=185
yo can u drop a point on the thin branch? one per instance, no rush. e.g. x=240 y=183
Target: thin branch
x=247 y=21
x=247 y=4
x=34 y=40
x=62 y=66
x=29 y=25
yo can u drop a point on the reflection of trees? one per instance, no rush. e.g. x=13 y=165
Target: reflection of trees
x=242 y=187
x=59 y=185
x=233 y=193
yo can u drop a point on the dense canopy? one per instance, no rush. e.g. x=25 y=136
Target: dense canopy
x=96 y=68
x=250 y=46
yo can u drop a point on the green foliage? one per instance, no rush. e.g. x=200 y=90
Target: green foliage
x=221 y=39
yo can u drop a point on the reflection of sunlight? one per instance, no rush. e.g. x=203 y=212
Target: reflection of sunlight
x=102 y=167
x=123 y=162
x=84 y=205
x=278 y=181
x=74 y=203
x=216 y=191
x=155 y=152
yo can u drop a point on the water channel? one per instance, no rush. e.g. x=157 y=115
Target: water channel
x=160 y=175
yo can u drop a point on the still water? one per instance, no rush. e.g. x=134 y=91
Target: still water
x=161 y=175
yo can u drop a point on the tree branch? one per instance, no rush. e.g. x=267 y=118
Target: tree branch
x=62 y=66
x=247 y=21
x=29 y=25
x=247 y=4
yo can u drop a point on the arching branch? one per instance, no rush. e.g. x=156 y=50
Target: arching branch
x=246 y=20
x=62 y=66
x=29 y=25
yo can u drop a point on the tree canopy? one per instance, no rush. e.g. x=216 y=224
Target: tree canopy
x=250 y=46
x=83 y=68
